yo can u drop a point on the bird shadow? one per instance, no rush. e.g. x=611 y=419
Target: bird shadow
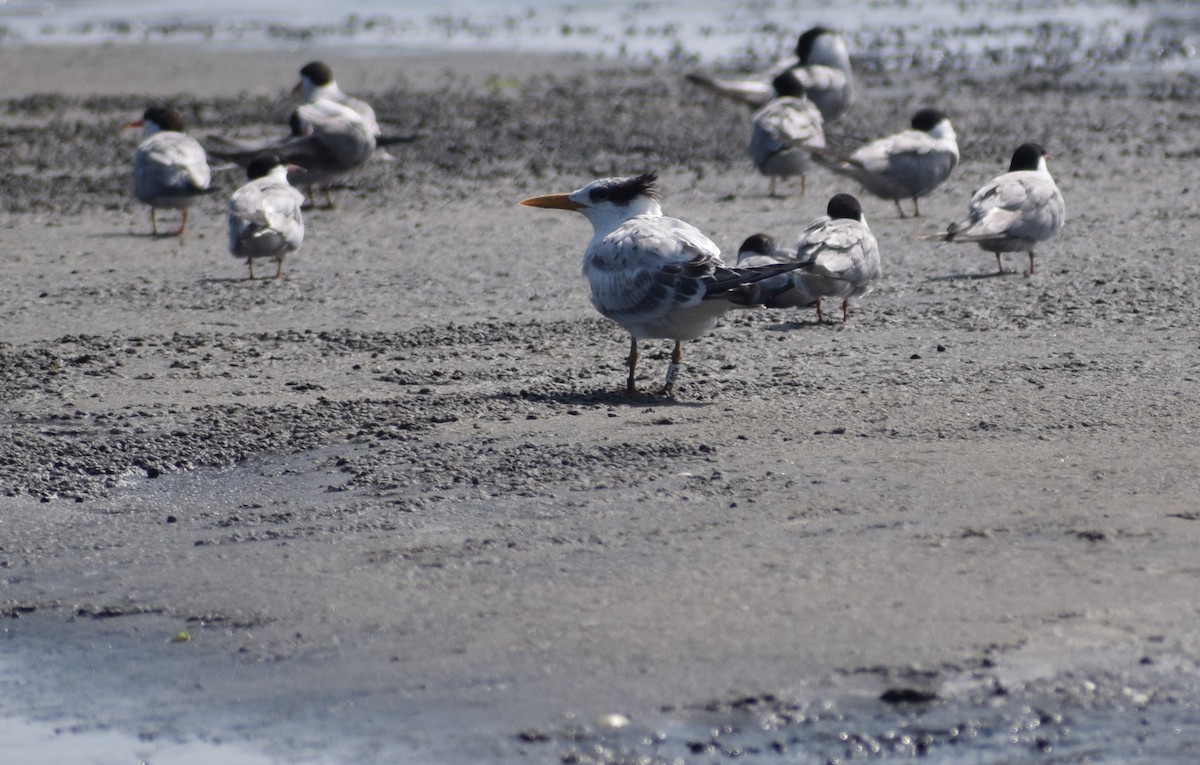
x=235 y=279
x=138 y=235
x=792 y=326
x=594 y=398
x=971 y=277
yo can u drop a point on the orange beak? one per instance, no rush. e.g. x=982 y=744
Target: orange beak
x=134 y=124
x=553 y=202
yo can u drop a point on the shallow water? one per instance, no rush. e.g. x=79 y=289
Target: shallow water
x=1120 y=728
x=923 y=34
x=32 y=743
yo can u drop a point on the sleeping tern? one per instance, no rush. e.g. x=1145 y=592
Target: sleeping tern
x=658 y=277
x=822 y=64
x=786 y=290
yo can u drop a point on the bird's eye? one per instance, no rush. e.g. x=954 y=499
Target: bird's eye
x=600 y=194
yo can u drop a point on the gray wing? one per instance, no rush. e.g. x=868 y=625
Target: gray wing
x=907 y=164
x=242 y=152
x=364 y=110
x=753 y=91
x=785 y=123
x=170 y=164
x=831 y=89
x=265 y=219
x=649 y=266
x=345 y=140
x=841 y=257
x=1019 y=205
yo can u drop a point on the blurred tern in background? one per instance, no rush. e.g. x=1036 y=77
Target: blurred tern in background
x=264 y=215
x=316 y=83
x=781 y=131
x=170 y=169
x=327 y=139
x=906 y=165
x=822 y=65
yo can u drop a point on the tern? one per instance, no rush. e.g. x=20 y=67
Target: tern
x=264 y=215
x=781 y=131
x=838 y=254
x=1015 y=211
x=327 y=139
x=658 y=277
x=906 y=165
x=316 y=82
x=170 y=169
x=786 y=290
x=822 y=64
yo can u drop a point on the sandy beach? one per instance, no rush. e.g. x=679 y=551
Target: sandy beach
x=403 y=511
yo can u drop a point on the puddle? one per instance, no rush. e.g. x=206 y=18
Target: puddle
x=33 y=742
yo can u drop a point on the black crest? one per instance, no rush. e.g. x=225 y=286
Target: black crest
x=622 y=191
x=805 y=44
x=318 y=72
x=844 y=206
x=1027 y=157
x=927 y=119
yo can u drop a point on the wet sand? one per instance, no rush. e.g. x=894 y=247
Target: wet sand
x=401 y=509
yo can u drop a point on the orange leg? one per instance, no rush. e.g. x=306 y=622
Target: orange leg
x=630 y=384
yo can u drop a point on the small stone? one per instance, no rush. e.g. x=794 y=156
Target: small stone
x=613 y=721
